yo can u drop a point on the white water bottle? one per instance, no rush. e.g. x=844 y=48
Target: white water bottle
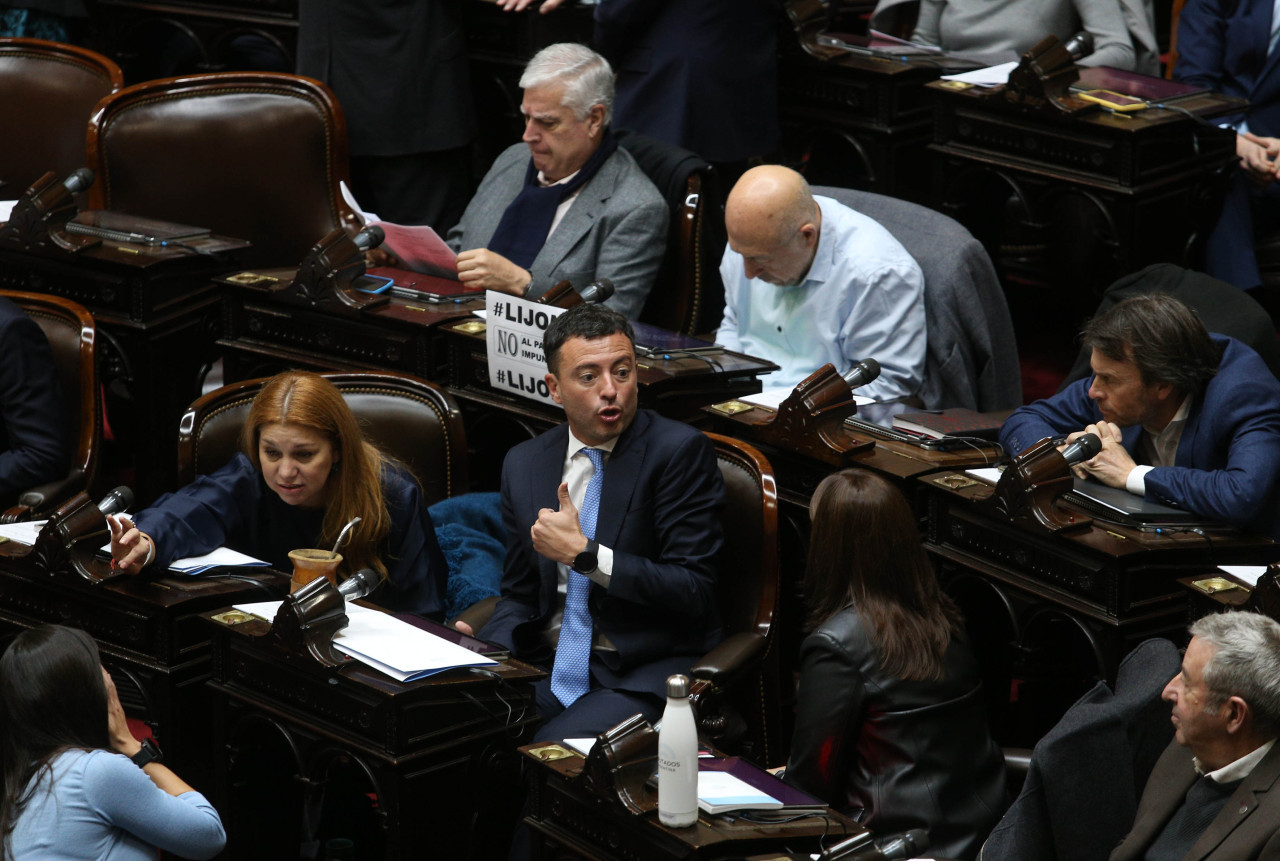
x=678 y=758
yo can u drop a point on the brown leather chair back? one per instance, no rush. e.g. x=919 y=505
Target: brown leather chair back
x=747 y=587
x=740 y=711
x=410 y=419
x=253 y=155
x=688 y=295
x=47 y=94
x=70 y=331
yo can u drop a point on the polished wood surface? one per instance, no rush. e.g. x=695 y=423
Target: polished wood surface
x=569 y=821
x=308 y=747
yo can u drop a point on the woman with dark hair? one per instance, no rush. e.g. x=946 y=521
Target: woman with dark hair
x=890 y=725
x=305 y=471
x=70 y=789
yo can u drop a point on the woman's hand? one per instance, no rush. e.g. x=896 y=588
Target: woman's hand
x=122 y=741
x=131 y=549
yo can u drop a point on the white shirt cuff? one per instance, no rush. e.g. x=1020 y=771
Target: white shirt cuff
x=604 y=567
x=1136 y=482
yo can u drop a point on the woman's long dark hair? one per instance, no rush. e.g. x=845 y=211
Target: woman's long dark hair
x=52 y=698
x=864 y=549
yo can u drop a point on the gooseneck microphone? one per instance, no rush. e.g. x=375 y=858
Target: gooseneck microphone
x=862 y=373
x=1083 y=448
x=118 y=500
x=359 y=584
x=79 y=179
x=369 y=237
x=597 y=291
x=909 y=844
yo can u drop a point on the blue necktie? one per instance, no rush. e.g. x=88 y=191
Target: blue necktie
x=571 y=673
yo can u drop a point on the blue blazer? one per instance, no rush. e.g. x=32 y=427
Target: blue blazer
x=660 y=513
x=1228 y=461
x=1222 y=45
x=700 y=74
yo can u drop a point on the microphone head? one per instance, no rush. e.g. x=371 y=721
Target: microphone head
x=862 y=373
x=908 y=844
x=597 y=291
x=79 y=179
x=370 y=237
x=120 y=499
x=1082 y=448
x=359 y=584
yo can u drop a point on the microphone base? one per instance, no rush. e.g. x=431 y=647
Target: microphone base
x=1031 y=486
x=811 y=421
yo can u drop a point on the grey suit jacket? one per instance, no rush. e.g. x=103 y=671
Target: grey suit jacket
x=615 y=229
x=1246 y=829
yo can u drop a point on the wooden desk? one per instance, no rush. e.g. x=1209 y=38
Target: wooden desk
x=152 y=641
x=1074 y=203
x=1052 y=614
x=308 y=746
x=856 y=121
x=265 y=331
x=157 y=311
x=570 y=823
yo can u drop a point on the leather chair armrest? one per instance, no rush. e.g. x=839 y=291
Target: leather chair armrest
x=477 y=615
x=44 y=498
x=1017 y=762
x=726 y=661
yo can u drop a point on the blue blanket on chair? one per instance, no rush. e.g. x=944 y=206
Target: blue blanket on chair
x=469 y=529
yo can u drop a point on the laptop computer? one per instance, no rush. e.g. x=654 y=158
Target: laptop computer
x=1118 y=504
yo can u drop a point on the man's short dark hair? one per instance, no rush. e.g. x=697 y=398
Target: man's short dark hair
x=583 y=321
x=1161 y=336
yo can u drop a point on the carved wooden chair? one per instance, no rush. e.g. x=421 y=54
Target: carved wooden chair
x=736 y=686
x=410 y=419
x=70 y=330
x=253 y=155
x=47 y=94
x=688 y=295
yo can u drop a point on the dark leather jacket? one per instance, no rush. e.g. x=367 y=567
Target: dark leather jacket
x=891 y=753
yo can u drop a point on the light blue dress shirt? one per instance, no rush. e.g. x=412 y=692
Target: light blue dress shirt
x=862 y=298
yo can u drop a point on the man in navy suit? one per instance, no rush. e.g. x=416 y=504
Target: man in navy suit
x=651 y=564
x=1186 y=418
x=1230 y=47
x=34 y=444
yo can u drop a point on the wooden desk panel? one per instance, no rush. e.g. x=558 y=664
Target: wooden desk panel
x=1050 y=615
x=436 y=754
x=150 y=634
x=1074 y=203
x=568 y=822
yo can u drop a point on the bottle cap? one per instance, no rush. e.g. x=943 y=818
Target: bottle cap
x=678 y=686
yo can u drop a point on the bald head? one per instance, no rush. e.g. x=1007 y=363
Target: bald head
x=774 y=223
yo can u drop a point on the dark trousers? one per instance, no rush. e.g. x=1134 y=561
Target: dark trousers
x=421 y=188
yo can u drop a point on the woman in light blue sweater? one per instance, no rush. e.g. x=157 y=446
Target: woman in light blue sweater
x=76 y=783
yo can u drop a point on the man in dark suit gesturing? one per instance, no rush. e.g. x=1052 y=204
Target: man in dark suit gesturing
x=613 y=529
x=1212 y=795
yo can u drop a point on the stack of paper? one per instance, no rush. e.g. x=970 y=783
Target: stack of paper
x=220 y=558
x=400 y=650
x=720 y=792
x=22 y=533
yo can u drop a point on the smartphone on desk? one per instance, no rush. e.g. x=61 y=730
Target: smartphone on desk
x=1113 y=101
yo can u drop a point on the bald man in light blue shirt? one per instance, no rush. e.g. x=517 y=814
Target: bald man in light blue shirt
x=809 y=281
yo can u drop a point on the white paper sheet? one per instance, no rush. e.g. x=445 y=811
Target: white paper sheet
x=387 y=644
x=771 y=398
x=22 y=533
x=991 y=76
